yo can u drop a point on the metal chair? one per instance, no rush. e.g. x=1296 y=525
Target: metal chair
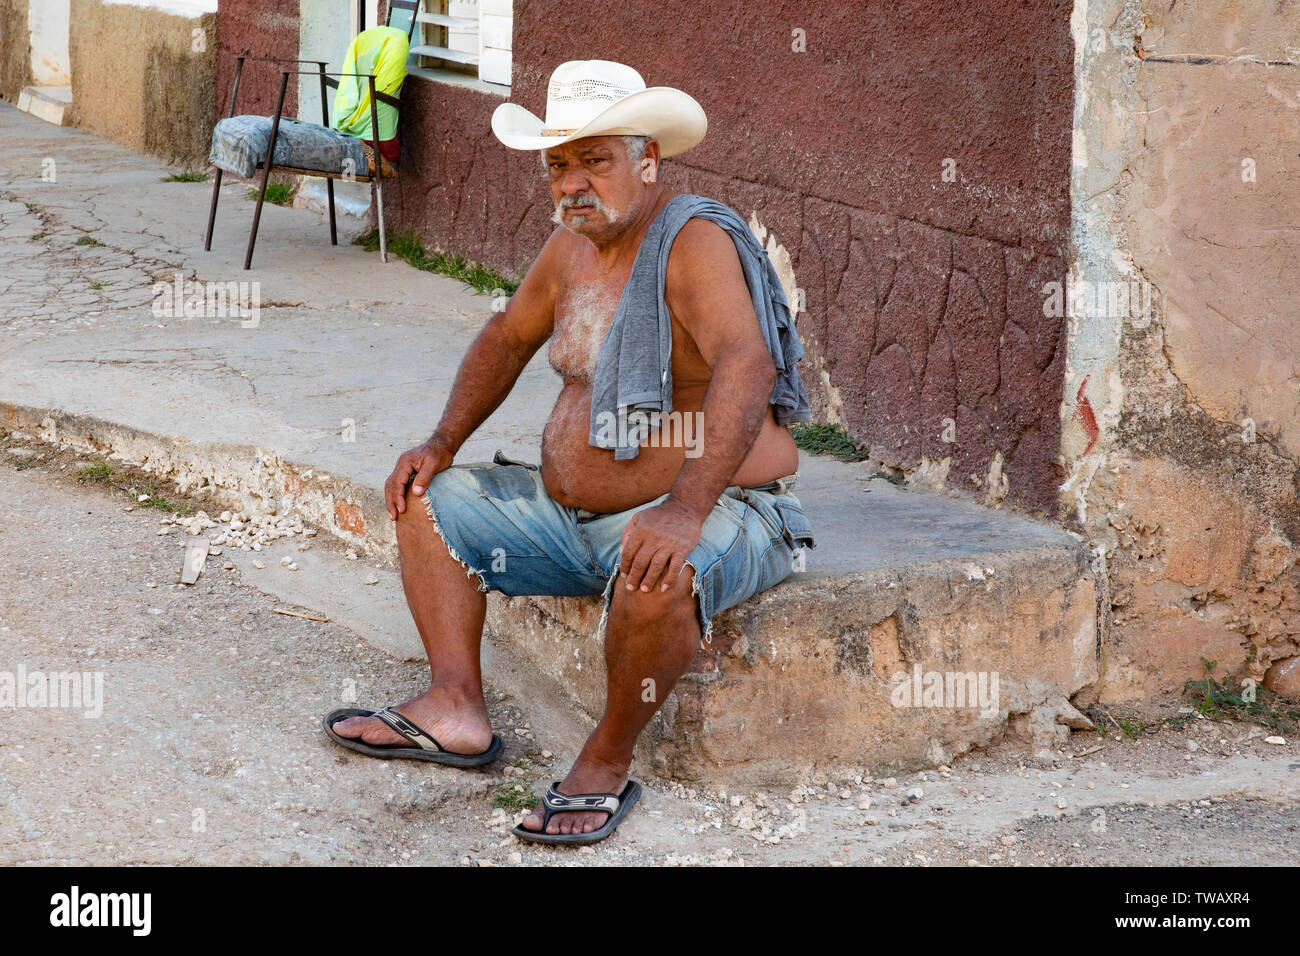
x=404 y=12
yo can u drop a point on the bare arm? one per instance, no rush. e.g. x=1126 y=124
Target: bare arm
x=707 y=293
x=486 y=376
x=705 y=288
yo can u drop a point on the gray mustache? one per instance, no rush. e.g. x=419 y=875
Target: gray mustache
x=592 y=200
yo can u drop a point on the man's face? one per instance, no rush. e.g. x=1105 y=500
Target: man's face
x=594 y=185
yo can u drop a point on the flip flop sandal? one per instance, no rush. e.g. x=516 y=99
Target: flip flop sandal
x=426 y=747
x=554 y=802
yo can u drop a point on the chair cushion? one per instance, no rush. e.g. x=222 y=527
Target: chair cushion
x=239 y=143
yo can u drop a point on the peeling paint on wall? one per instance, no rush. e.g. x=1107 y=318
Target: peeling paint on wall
x=1188 y=502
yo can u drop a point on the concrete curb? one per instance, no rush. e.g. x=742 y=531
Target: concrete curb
x=245 y=477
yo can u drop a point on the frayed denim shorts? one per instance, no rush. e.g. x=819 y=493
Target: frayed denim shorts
x=498 y=521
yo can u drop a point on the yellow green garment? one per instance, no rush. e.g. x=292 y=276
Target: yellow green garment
x=381 y=51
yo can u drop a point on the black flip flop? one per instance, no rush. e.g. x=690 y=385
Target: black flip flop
x=426 y=747
x=554 y=802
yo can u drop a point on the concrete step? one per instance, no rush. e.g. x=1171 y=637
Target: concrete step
x=50 y=103
x=923 y=627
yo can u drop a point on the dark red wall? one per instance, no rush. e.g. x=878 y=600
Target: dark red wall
x=259 y=28
x=923 y=296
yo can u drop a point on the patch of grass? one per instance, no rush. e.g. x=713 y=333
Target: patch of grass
x=513 y=797
x=828 y=440
x=157 y=501
x=1237 y=699
x=517 y=793
x=409 y=248
x=277 y=191
x=99 y=285
x=39 y=236
x=96 y=474
x=89 y=241
x=1110 y=727
x=186 y=178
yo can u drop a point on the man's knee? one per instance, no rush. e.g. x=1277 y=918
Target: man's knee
x=414 y=523
x=418 y=520
x=650 y=608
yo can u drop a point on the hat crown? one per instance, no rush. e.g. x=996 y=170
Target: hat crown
x=580 y=90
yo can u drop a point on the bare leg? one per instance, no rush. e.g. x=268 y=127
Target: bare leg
x=650 y=641
x=448 y=610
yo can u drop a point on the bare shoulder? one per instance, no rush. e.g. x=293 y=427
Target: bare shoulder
x=701 y=247
x=705 y=290
x=704 y=269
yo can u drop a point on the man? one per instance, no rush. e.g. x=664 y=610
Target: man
x=627 y=493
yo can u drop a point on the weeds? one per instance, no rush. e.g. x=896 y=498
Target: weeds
x=513 y=797
x=1250 y=703
x=89 y=241
x=96 y=474
x=185 y=178
x=409 y=248
x=1130 y=727
x=277 y=191
x=828 y=440
x=148 y=497
x=516 y=795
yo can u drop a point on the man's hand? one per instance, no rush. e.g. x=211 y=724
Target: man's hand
x=656 y=544
x=420 y=463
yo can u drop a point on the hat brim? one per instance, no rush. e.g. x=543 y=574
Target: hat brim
x=667 y=115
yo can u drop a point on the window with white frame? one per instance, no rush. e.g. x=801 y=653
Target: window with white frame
x=466 y=36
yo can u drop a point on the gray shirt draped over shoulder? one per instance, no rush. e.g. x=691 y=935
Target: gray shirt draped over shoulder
x=633 y=385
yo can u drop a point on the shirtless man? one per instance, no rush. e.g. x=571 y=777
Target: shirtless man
x=632 y=523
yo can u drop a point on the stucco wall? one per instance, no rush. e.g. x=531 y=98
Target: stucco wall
x=324 y=32
x=1183 y=434
x=143 y=77
x=259 y=28
x=923 y=295
x=49 y=24
x=15 y=44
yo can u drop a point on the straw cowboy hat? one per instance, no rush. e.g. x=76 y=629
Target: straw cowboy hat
x=603 y=98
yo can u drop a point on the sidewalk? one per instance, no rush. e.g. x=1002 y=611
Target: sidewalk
x=349 y=365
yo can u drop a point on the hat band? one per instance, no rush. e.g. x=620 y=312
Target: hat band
x=559 y=132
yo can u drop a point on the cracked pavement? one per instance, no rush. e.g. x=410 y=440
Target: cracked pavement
x=79 y=259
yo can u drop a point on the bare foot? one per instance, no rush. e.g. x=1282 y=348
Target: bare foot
x=584 y=777
x=460 y=726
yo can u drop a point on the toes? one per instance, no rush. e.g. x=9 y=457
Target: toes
x=374 y=731
x=370 y=730
x=533 y=821
x=564 y=823
x=345 y=728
